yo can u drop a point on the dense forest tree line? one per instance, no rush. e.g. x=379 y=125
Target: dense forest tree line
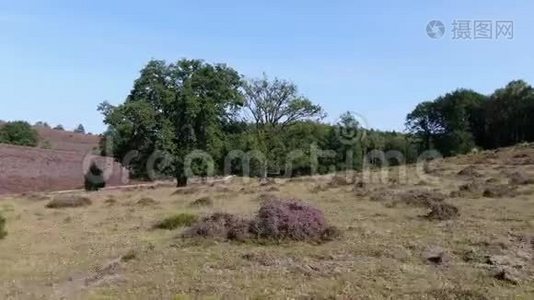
x=464 y=119
x=176 y=109
x=211 y=118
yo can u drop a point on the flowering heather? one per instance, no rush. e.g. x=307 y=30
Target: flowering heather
x=293 y=220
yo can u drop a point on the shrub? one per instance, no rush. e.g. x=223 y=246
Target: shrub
x=179 y=220
x=94 y=178
x=220 y=225
x=68 y=201
x=442 y=211
x=3 y=233
x=418 y=198
x=276 y=220
x=19 y=133
x=293 y=220
x=79 y=129
x=132 y=254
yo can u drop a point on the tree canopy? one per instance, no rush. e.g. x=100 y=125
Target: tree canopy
x=79 y=129
x=174 y=108
x=195 y=117
x=19 y=133
x=464 y=119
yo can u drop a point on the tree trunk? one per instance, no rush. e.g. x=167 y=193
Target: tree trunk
x=181 y=179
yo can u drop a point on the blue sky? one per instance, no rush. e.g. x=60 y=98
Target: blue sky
x=60 y=59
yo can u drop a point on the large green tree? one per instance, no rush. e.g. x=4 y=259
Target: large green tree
x=174 y=108
x=451 y=123
x=272 y=106
x=509 y=115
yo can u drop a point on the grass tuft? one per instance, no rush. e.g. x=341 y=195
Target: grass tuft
x=176 y=221
x=65 y=201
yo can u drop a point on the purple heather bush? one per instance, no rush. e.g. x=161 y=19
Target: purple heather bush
x=276 y=220
x=293 y=220
x=220 y=225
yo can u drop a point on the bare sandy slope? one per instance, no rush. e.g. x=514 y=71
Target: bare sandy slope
x=109 y=250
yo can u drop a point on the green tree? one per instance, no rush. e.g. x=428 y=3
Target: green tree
x=79 y=129
x=272 y=106
x=41 y=124
x=508 y=115
x=19 y=133
x=175 y=108
x=94 y=178
x=449 y=123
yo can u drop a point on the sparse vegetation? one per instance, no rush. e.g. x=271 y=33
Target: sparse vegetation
x=442 y=211
x=147 y=201
x=202 y=201
x=130 y=255
x=66 y=201
x=205 y=183
x=479 y=246
x=3 y=232
x=176 y=221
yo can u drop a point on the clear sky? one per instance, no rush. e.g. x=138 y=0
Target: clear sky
x=59 y=59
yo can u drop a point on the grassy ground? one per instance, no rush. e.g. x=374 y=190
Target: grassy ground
x=110 y=250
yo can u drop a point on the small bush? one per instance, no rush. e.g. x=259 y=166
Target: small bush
x=289 y=220
x=331 y=233
x=94 y=178
x=202 y=201
x=176 y=221
x=3 y=233
x=19 y=133
x=220 y=225
x=130 y=255
x=469 y=171
x=64 y=201
x=443 y=211
x=276 y=220
x=418 y=198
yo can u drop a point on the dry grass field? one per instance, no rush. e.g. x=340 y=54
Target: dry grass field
x=390 y=247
